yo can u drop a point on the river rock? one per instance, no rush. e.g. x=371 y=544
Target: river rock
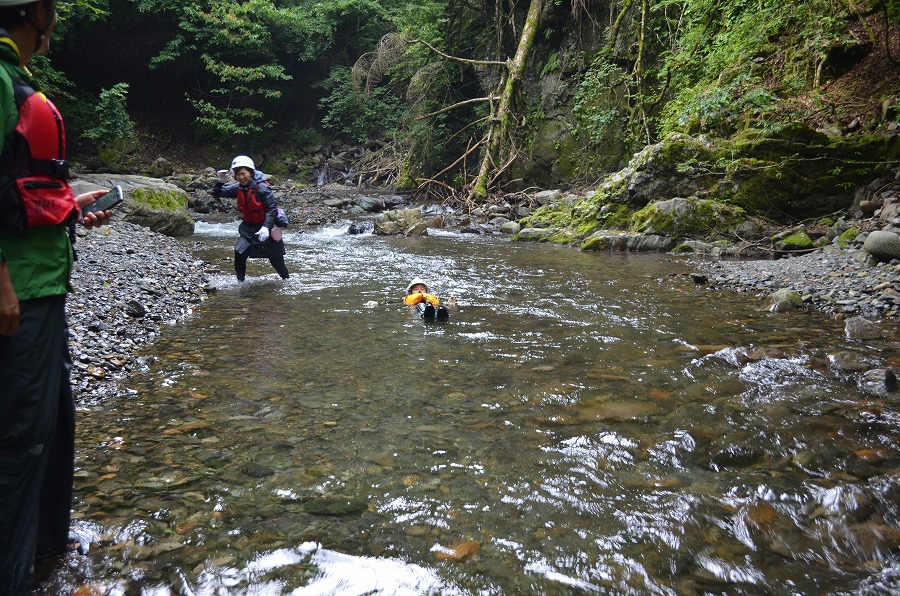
x=884 y=246
x=861 y=328
x=144 y=197
x=534 y=233
x=510 y=227
x=784 y=300
x=399 y=221
x=545 y=197
x=879 y=382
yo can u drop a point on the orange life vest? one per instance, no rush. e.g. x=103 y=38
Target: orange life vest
x=34 y=187
x=252 y=209
x=413 y=299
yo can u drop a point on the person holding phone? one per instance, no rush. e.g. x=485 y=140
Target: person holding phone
x=259 y=210
x=37 y=213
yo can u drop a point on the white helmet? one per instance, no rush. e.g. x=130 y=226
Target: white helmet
x=416 y=281
x=241 y=161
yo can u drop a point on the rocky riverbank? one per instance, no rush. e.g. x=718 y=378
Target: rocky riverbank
x=831 y=280
x=129 y=283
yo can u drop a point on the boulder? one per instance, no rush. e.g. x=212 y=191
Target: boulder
x=149 y=202
x=510 y=227
x=400 y=221
x=884 y=246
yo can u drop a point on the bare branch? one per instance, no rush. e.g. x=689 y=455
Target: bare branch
x=468 y=152
x=458 y=59
x=456 y=105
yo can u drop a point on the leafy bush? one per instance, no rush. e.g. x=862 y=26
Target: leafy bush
x=359 y=116
x=113 y=126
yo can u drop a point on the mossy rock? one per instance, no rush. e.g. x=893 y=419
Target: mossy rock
x=848 y=236
x=534 y=234
x=785 y=300
x=683 y=248
x=690 y=217
x=606 y=241
x=157 y=198
x=796 y=241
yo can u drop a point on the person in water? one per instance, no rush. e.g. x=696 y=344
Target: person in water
x=259 y=238
x=428 y=306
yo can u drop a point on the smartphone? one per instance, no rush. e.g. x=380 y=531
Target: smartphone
x=107 y=201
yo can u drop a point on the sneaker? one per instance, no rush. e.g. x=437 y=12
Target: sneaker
x=442 y=314
x=428 y=313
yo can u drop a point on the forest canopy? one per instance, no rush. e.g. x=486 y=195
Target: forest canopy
x=463 y=96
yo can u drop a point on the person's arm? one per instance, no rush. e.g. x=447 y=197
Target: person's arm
x=9 y=302
x=266 y=195
x=228 y=191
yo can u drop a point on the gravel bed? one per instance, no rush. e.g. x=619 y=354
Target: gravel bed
x=832 y=281
x=128 y=284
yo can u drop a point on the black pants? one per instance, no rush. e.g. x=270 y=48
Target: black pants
x=240 y=265
x=37 y=441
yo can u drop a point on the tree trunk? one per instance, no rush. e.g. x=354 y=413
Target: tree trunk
x=502 y=123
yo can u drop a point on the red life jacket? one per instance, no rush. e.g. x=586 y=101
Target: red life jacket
x=252 y=209
x=34 y=188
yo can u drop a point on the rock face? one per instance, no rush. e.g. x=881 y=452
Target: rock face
x=697 y=188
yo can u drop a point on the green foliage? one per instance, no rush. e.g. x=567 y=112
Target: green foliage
x=72 y=12
x=248 y=50
x=112 y=125
x=219 y=123
x=731 y=63
x=595 y=100
x=55 y=83
x=306 y=136
x=551 y=64
x=356 y=115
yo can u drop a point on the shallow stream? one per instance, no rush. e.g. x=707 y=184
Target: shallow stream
x=584 y=423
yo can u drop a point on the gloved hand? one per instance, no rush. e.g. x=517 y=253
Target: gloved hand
x=263 y=234
x=222 y=175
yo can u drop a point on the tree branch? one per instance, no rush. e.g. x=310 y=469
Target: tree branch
x=456 y=105
x=458 y=59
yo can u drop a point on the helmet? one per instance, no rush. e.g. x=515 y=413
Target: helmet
x=416 y=281
x=241 y=161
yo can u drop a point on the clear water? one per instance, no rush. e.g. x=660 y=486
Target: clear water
x=584 y=423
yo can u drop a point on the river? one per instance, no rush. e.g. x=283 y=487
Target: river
x=584 y=423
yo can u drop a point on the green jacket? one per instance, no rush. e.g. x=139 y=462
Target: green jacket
x=40 y=259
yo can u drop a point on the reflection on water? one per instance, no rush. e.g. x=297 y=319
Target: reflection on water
x=584 y=423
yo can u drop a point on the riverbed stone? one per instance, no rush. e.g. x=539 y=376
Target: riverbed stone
x=534 y=234
x=545 y=197
x=861 y=328
x=879 y=382
x=510 y=227
x=884 y=246
x=784 y=300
